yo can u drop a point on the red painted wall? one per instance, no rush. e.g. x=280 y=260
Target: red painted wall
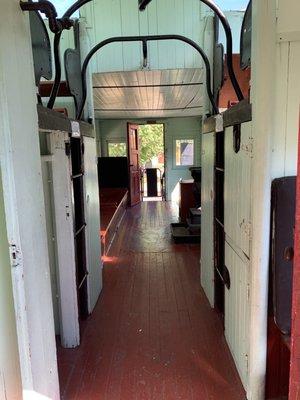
x=295 y=339
x=227 y=93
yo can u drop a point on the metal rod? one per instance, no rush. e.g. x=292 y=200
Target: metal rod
x=55 y=88
x=229 y=45
x=145 y=39
x=80 y=229
x=147 y=86
x=77 y=176
x=83 y=279
x=146 y=109
x=47 y=8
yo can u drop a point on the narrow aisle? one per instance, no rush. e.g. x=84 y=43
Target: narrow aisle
x=153 y=335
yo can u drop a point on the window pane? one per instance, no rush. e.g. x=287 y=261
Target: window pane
x=117 y=150
x=185 y=152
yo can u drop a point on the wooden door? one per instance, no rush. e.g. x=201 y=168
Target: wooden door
x=133 y=163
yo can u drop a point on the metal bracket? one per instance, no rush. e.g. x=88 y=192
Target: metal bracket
x=145 y=54
x=72 y=60
x=226 y=277
x=56 y=25
x=237 y=138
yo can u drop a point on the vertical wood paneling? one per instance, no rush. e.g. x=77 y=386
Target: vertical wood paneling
x=10 y=374
x=237 y=190
x=237 y=311
x=92 y=213
x=117 y=17
x=64 y=226
x=49 y=211
x=207 y=216
x=293 y=102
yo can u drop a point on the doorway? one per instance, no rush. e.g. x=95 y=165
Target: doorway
x=152 y=161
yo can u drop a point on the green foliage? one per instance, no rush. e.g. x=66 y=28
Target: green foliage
x=151 y=141
x=117 y=150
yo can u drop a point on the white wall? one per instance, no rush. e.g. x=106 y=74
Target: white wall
x=24 y=204
x=120 y=18
x=175 y=128
x=10 y=374
x=275 y=96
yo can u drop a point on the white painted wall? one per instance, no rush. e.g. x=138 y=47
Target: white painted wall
x=207 y=216
x=64 y=239
x=275 y=96
x=237 y=189
x=237 y=302
x=120 y=18
x=272 y=140
x=237 y=227
x=175 y=128
x=10 y=374
x=24 y=205
x=92 y=217
x=51 y=234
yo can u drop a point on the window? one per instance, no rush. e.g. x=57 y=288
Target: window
x=117 y=149
x=184 y=152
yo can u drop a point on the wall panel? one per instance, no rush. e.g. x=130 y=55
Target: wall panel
x=160 y=17
x=207 y=216
x=92 y=213
x=237 y=311
x=237 y=190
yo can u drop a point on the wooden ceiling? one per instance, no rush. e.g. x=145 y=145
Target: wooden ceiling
x=148 y=94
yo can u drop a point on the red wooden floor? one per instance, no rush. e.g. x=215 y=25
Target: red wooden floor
x=152 y=334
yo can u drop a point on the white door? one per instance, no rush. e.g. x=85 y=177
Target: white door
x=237 y=189
x=237 y=314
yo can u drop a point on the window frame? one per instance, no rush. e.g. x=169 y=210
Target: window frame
x=189 y=137
x=116 y=141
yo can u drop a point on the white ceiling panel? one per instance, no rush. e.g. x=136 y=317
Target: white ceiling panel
x=148 y=94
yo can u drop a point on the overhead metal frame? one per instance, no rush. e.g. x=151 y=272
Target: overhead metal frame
x=229 y=43
x=57 y=26
x=144 y=40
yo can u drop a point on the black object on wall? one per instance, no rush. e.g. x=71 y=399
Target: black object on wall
x=282 y=241
x=113 y=172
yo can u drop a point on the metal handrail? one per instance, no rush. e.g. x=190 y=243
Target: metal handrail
x=145 y=39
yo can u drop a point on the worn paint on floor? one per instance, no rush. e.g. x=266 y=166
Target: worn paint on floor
x=153 y=335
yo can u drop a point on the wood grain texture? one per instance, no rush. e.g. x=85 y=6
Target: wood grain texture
x=153 y=334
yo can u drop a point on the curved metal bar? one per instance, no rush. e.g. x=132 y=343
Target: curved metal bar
x=55 y=87
x=47 y=8
x=229 y=46
x=145 y=39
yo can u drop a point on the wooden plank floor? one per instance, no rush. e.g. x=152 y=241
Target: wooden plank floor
x=152 y=335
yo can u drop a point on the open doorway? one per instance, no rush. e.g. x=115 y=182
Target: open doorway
x=152 y=162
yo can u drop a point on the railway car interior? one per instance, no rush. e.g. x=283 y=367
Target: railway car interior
x=150 y=199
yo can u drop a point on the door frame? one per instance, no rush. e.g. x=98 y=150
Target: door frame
x=133 y=126
x=140 y=123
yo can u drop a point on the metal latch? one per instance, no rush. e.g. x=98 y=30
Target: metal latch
x=15 y=255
